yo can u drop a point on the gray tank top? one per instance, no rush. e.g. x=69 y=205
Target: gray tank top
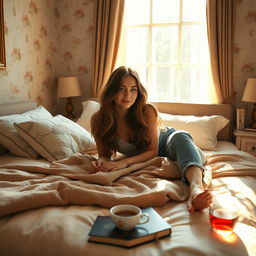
x=127 y=148
x=130 y=149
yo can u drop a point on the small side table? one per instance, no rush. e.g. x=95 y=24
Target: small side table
x=246 y=141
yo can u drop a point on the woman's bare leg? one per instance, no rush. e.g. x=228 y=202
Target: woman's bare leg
x=199 y=197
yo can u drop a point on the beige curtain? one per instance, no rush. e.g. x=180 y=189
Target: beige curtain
x=108 y=18
x=220 y=25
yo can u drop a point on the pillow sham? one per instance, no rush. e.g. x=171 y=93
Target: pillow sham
x=9 y=137
x=56 y=138
x=89 y=108
x=204 y=129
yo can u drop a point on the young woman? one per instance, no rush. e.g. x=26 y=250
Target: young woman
x=126 y=123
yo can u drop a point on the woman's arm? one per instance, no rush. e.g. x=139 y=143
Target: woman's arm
x=103 y=154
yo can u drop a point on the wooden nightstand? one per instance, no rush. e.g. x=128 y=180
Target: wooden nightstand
x=246 y=141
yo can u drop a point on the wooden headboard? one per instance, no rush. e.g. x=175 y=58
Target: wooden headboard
x=225 y=110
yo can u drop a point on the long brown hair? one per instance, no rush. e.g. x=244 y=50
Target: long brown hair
x=104 y=122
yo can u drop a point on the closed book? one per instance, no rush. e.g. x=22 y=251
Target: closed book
x=240 y=119
x=105 y=231
x=250 y=129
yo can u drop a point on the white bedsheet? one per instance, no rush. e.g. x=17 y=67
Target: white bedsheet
x=64 y=230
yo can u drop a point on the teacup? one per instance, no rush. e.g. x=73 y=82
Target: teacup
x=126 y=216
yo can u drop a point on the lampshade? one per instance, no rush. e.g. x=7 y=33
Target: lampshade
x=250 y=90
x=68 y=87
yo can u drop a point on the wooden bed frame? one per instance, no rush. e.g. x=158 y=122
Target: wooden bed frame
x=164 y=107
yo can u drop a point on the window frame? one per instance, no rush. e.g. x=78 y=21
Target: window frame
x=150 y=65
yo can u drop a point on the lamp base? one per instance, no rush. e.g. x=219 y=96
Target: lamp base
x=69 y=109
x=71 y=117
x=253 y=125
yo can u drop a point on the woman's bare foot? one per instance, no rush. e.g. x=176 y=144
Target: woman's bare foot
x=200 y=201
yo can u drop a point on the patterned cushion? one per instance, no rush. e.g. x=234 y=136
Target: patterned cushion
x=9 y=137
x=56 y=138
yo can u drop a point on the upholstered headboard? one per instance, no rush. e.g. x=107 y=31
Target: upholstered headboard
x=225 y=110
x=16 y=108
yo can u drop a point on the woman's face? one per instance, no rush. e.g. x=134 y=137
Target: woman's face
x=127 y=93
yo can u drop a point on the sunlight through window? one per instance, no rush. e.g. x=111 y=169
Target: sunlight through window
x=167 y=44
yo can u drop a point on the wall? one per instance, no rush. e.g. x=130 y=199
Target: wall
x=30 y=42
x=46 y=39
x=75 y=37
x=245 y=50
x=50 y=38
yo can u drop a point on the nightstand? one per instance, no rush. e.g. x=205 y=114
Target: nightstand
x=246 y=141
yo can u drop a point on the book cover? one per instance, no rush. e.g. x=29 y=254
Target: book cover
x=105 y=231
x=250 y=129
x=240 y=119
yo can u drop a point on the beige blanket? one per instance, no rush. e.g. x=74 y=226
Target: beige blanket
x=71 y=181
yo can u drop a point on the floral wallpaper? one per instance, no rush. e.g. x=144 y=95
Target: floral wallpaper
x=245 y=50
x=46 y=39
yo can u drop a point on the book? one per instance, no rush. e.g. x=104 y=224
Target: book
x=250 y=129
x=105 y=231
x=240 y=119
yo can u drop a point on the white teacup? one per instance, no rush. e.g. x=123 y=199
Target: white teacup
x=126 y=216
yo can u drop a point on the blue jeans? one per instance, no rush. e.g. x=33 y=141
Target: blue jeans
x=179 y=146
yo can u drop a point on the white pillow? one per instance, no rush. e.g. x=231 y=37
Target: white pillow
x=89 y=108
x=204 y=130
x=9 y=137
x=56 y=138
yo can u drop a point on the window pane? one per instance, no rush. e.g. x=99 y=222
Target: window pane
x=194 y=44
x=183 y=84
x=198 y=13
x=143 y=74
x=165 y=44
x=137 y=46
x=193 y=84
x=163 y=85
x=165 y=11
x=137 y=12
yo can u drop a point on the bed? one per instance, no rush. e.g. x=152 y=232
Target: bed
x=49 y=198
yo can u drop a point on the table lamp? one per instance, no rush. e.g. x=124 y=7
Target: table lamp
x=68 y=87
x=250 y=96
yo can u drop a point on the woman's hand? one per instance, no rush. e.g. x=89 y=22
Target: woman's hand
x=108 y=166
x=96 y=165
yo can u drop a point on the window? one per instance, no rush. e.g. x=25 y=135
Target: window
x=166 y=42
